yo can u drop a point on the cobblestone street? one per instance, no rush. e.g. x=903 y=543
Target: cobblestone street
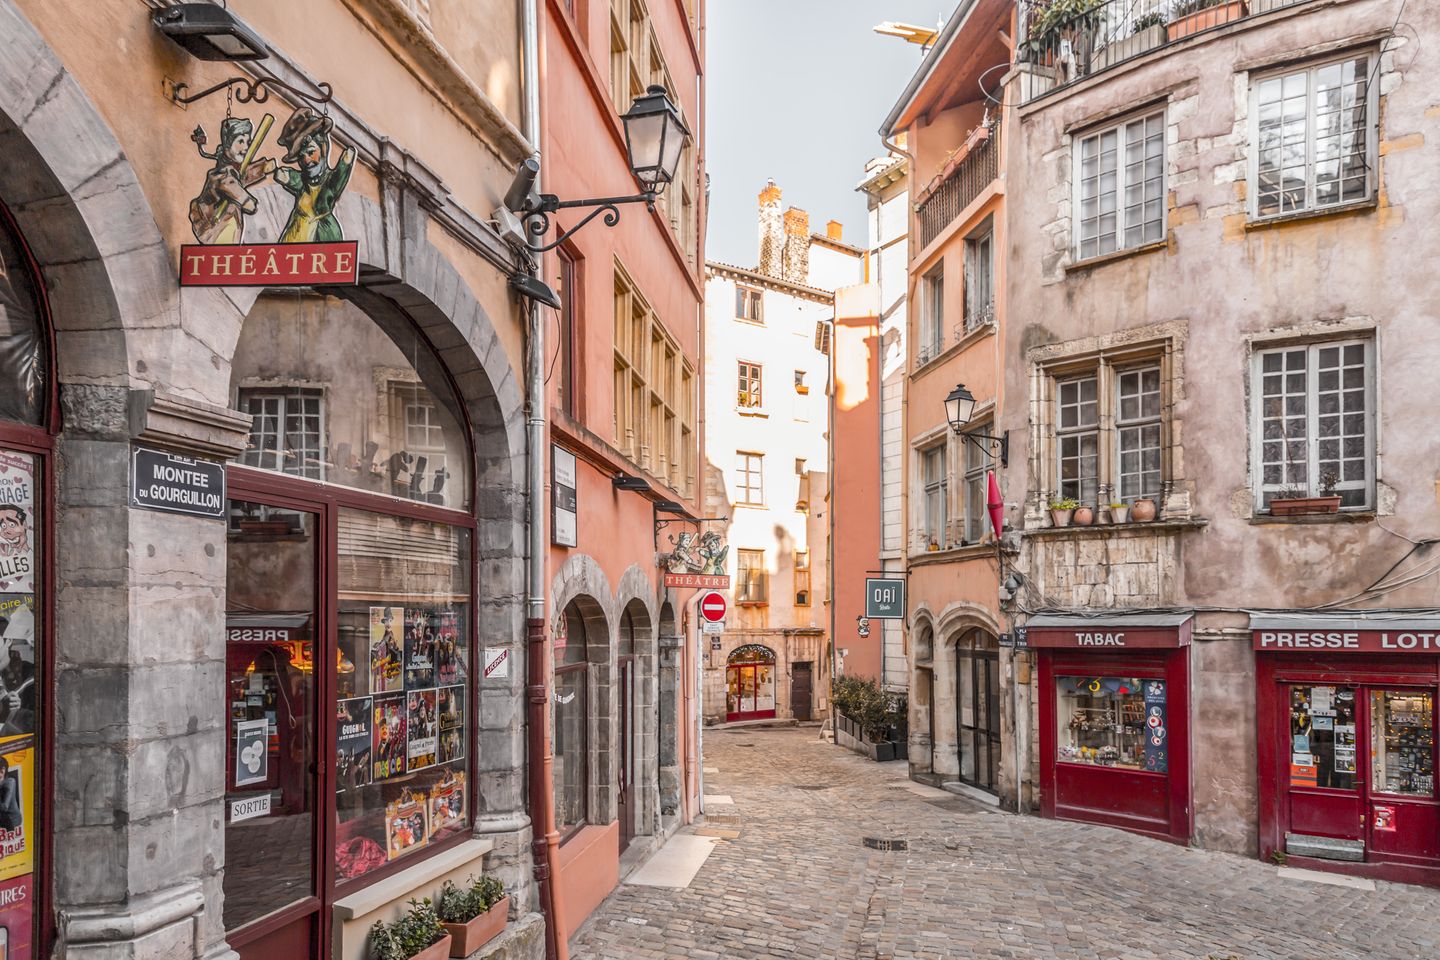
x=799 y=882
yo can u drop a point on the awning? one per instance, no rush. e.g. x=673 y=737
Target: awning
x=1347 y=631
x=1110 y=630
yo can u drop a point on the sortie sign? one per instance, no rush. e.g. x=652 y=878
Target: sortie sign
x=164 y=481
x=712 y=607
x=269 y=264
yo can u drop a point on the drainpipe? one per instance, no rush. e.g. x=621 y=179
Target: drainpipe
x=545 y=843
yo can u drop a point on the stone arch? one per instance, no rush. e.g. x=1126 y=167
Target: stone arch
x=582 y=585
x=956 y=625
x=669 y=642
x=634 y=616
x=922 y=696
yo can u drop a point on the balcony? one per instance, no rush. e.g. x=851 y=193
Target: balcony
x=963 y=178
x=1068 y=40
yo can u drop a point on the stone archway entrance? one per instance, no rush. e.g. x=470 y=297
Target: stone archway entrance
x=750 y=683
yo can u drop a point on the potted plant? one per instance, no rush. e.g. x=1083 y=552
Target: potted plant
x=416 y=935
x=473 y=916
x=1061 y=510
x=1146 y=33
x=1143 y=510
x=1120 y=512
x=1061 y=33
x=1084 y=515
x=1297 y=502
x=1192 y=16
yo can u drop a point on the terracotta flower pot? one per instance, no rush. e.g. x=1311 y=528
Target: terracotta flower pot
x=473 y=934
x=1120 y=514
x=1060 y=518
x=1204 y=19
x=1143 y=510
x=1084 y=516
x=438 y=950
x=1304 y=506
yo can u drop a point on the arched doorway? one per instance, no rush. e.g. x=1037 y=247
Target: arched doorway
x=634 y=623
x=922 y=701
x=750 y=683
x=977 y=705
x=668 y=734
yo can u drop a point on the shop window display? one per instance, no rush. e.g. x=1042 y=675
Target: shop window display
x=1322 y=734
x=1402 y=742
x=1112 y=722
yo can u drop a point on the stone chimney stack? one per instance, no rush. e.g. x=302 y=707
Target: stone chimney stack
x=835 y=230
x=796 y=266
x=772 y=232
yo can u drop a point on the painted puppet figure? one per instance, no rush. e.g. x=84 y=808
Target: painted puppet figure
x=217 y=215
x=315 y=185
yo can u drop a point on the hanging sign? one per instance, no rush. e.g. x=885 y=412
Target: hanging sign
x=697 y=560
x=884 y=598
x=311 y=249
x=563 y=501
x=164 y=481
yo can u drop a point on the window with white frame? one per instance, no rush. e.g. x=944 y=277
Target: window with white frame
x=749 y=384
x=748 y=304
x=1109 y=428
x=752 y=580
x=932 y=313
x=287 y=430
x=1120 y=173
x=1313 y=131
x=935 y=482
x=1315 y=423
x=980 y=278
x=1077 y=434
x=1137 y=432
x=977 y=462
x=750 y=479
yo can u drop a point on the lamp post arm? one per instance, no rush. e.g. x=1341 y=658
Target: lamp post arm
x=538 y=220
x=980 y=439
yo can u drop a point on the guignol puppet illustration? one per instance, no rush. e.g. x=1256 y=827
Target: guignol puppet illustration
x=217 y=215
x=313 y=182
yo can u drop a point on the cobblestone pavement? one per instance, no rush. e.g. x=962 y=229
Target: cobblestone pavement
x=975 y=882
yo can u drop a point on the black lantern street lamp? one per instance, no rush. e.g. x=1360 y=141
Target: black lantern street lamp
x=210 y=32
x=655 y=135
x=959 y=408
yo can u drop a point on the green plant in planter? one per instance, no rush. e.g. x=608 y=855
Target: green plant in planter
x=1064 y=504
x=415 y=929
x=1152 y=19
x=1187 y=7
x=1055 y=20
x=461 y=906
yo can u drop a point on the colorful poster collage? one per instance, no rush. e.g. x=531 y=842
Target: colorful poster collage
x=19 y=765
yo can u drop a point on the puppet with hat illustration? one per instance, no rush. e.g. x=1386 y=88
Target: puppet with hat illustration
x=217 y=215
x=312 y=181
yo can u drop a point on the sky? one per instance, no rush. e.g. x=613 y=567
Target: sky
x=796 y=92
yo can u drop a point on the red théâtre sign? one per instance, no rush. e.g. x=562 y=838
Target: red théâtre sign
x=1347 y=641
x=269 y=264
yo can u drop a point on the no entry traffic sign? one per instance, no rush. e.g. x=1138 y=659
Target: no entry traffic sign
x=712 y=606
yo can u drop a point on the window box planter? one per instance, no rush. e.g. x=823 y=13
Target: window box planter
x=1304 y=506
x=1131 y=46
x=466 y=938
x=439 y=950
x=1205 y=18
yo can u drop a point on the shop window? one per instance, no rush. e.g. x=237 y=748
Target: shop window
x=1402 y=742
x=571 y=725
x=1313 y=135
x=753 y=581
x=1322 y=737
x=1112 y=722
x=1314 y=425
x=350 y=398
x=1120 y=201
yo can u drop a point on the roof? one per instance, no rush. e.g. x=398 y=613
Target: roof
x=945 y=61
x=765 y=280
x=1111 y=618
x=881 y=172
x=1347 y=620
x=839 y=245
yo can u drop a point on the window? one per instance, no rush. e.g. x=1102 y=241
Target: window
x=1322 y=722
x=1107 y=722
x=750 y=484
x=802 y=578
x=802 y=476
x=936 y=484
x=654 y=410
x=1120 y=202
x=754 y=581
x=629 y=52
x=1313 y=133
x=980 y=279
x=800 y=385
x=1137 y=431
x=977 y=462
x=1315 y=429
x=1078 y=436
x=749 y=396
x=572 y=722
x=564 y=373
x=1109 y=433
x=286 y=431
x=932 y=313
x=748 y=304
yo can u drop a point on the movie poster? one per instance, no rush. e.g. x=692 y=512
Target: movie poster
x=452 y=723
x=387 y=737
x=17 y=523
x=387 y=629
x=419 y=650
x=406 y=823
x=423 y=727
x=17 y=917
x=17 y=666
x=447 y=801
x=17 y=806
x=353 y=746
x=449 y=653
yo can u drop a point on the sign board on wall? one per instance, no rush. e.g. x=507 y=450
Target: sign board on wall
x=270 y=264
x=563 y=501
x=712 y=627
x=175 y=484
x=884 y=598
x=697 y=580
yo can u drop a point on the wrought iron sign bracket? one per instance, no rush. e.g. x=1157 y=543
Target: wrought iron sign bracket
x=538 y=219
x=662 y=524
x=982 y=440
x=253 y=91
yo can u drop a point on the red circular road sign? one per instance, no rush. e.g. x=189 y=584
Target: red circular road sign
x=712 y=606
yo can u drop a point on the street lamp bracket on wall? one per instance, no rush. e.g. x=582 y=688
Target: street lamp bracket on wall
x=959 y=408
x=256 y=91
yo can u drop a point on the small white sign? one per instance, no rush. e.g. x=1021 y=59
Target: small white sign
x=497 y=662
x=249 y=808
x=252 y=746
x=711 y=627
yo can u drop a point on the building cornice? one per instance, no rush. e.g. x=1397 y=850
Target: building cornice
x=755 y=278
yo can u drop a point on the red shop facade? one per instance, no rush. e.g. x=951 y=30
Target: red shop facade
x=1114 y=704
x=1347 y=725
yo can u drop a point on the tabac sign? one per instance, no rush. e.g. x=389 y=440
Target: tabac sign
x=311 y=249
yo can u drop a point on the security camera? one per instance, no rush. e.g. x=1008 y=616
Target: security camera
x=521 y=198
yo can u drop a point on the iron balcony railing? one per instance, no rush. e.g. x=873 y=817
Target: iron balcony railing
x=963 y=179
x=1067 y=40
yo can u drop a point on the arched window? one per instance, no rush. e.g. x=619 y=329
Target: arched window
x=349 y=608
x=572 y=724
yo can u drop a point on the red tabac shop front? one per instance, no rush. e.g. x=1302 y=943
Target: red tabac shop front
x=1114 y=720
x=1346 y=745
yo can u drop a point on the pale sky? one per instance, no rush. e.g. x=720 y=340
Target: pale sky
x=796 y=92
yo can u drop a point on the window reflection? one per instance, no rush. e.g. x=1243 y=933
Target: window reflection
x=23 y=351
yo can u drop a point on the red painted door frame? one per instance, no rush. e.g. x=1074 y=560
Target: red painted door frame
x=1274 y=673
x=1093 y=794
x=753 y=668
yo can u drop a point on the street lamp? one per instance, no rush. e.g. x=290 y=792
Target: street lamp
x=210 y=32
x=655 y=134
x=959 y=408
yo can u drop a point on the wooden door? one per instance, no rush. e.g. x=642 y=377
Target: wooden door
x=801 y=681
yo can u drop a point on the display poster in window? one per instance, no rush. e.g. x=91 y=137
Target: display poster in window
x=388 y=748
x=407 y=823
x=252 y=752
x=17 y=523
x=1384 y=818
x=352 y=743
x=447 y=801
x=1157 y=748
x=451 y=707
x=17 y=806
x=419 y=650
x=449 y=655
x=17 y=916
x=387 y=631
x=1344 y=748
x=422 y=729
x=17 y=666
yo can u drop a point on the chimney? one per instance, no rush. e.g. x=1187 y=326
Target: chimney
x=835 y=230
x=796 y=265
x=772 y=236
